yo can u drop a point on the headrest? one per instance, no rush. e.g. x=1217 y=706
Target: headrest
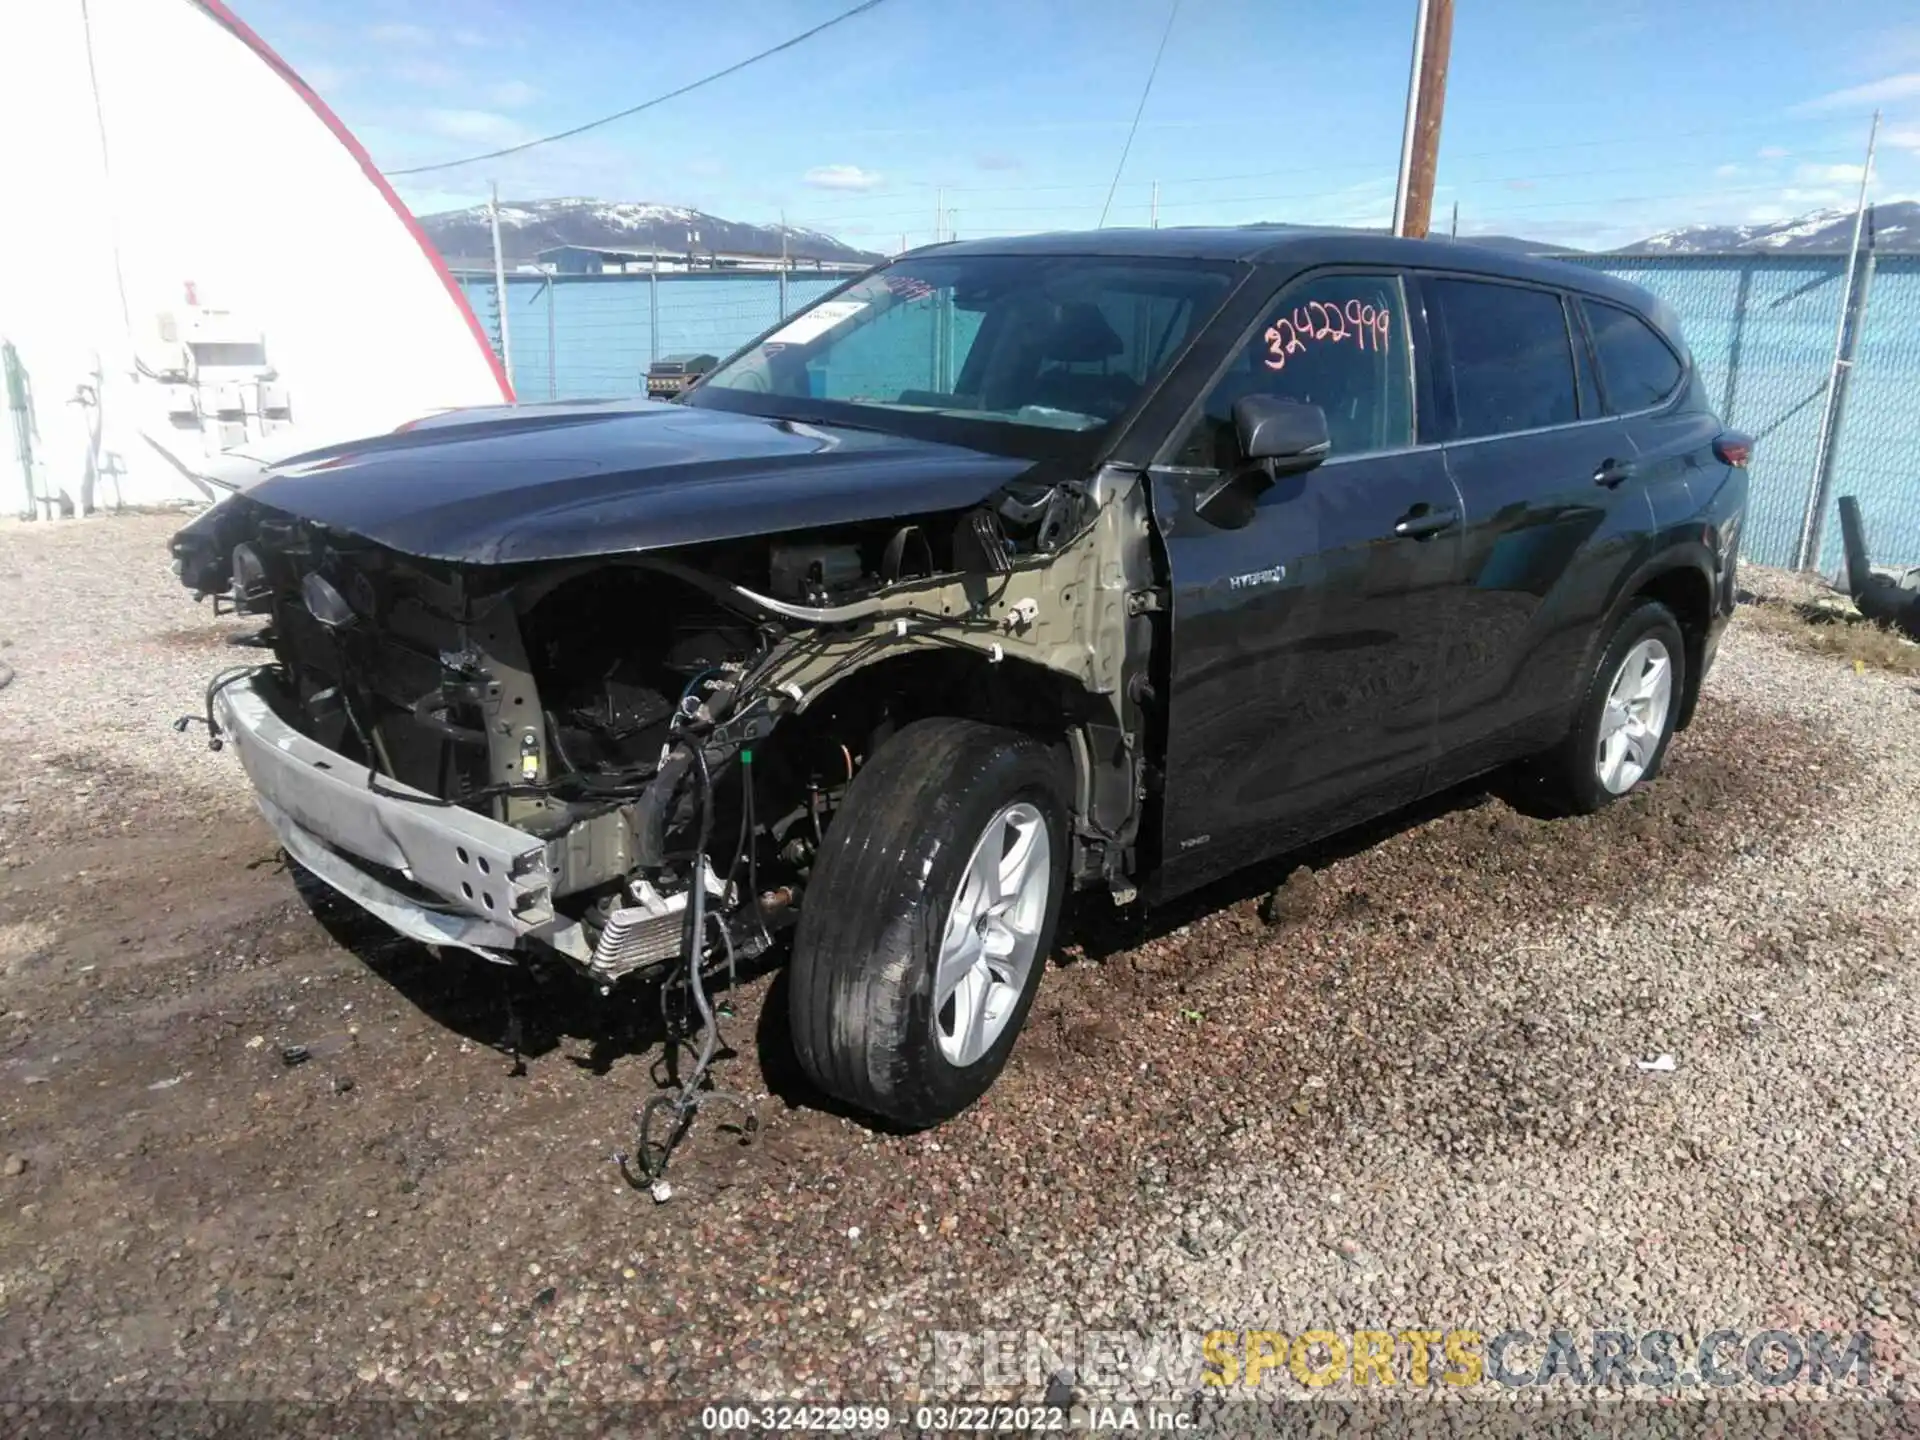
x=1079 y=334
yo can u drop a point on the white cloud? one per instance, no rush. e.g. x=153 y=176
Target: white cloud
x=1774 y=152
x=512 y=94
x=430 y=73
x=1767 y=214
x=400 y=34
x=1874 y=92
x=1827 y=174
x=1621 y=25
x=1896 y=46
x=1814 y=198
x=841 y=177
x=1367 y=203
x=326 y=79
x=1726 y=172
x=997 y=161
x=1903 y=138
x=481 y=126
x=470 y=38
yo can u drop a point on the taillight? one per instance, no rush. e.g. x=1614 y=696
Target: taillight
x=1733 y=448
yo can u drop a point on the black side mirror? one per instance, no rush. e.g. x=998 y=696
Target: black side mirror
x=1276 y=437
x=1283 y=437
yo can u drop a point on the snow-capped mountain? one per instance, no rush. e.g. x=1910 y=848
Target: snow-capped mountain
x=530 y=226
x=1896 y=226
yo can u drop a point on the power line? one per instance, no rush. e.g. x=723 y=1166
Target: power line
x=1598 y=202
x=1494 y=213
x=1167 y=182
x=958 y=125
x=1140 y=110
x=1268 y=197
x=733 y=69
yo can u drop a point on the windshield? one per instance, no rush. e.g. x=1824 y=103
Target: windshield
x=1039 y=342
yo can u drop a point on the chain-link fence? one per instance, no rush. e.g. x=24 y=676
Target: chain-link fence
x=1876 y=445
x=1762 y=330
x=576 y=337
x=1761 y=327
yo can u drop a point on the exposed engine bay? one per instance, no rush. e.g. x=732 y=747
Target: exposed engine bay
x=678 y=727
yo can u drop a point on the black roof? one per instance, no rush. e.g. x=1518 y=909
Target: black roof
x=1308 y=245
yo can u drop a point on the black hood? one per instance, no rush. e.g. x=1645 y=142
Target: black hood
x=553 y=482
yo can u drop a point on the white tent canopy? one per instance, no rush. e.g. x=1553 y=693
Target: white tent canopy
x=198 y=257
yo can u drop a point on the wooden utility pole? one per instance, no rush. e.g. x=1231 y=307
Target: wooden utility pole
x=1426 y=100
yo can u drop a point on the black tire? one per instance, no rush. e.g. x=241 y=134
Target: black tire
x=1570 y=773
x=864 y=953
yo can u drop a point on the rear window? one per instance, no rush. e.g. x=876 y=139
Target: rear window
x=1636 y=366
x=1509 y=354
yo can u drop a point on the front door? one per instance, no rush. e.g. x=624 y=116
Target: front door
x=1305 y=643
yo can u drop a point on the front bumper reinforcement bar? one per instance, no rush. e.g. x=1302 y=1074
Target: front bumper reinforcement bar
x=490 y=884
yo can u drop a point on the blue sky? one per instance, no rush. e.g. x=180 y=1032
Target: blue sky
x=1581 y=124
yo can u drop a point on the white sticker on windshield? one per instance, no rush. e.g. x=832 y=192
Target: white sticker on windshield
x=816 y=322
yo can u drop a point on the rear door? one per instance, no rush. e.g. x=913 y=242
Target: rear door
x=1639 y=374
x=1306 y=642
x=1553 y=511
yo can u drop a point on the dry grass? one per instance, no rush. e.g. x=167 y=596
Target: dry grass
x=1842 y=634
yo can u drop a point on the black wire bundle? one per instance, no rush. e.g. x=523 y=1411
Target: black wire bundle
x=653 y=1158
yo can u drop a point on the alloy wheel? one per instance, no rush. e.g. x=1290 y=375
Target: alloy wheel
x=1635 y=719
x=992 y=934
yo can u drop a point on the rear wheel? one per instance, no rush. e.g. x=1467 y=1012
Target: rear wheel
x=1626 y=718
x=932 y=910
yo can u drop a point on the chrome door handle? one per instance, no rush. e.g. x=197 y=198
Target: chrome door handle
x=1423 y=522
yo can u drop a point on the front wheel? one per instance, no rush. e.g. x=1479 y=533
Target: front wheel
x=929 y=919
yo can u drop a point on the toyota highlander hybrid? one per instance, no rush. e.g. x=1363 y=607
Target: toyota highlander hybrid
x=1105 y=562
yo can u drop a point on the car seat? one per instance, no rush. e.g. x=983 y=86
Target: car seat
x=1081 y=335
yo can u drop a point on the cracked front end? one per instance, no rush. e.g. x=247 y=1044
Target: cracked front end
x=580 y=755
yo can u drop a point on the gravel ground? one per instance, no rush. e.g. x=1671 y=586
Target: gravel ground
x=1401 y=1090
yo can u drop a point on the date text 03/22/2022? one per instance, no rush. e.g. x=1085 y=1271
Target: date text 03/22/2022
x=947 y=1418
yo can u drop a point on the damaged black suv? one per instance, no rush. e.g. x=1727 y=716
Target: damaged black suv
x=1103 y=562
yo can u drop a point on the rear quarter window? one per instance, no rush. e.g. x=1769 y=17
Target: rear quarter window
x=1637 y=368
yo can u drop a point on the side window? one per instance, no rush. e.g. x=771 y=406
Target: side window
x=1636 y=366
x=1512 y=360
x=1336 y=341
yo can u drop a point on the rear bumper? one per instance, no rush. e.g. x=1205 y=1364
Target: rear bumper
x=470 y=881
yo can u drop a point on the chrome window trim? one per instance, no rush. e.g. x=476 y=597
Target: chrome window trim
x=1556 y=429
x=1403 y=274
x=1333 y=460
